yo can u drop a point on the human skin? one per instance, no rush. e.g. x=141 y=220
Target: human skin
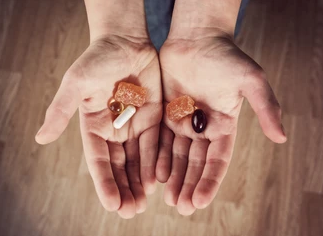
x=121 y=162
x=200 y=59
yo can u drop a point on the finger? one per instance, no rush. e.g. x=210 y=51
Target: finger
x=148 y=143
x=164 y=160
x=181 y=147
x=196 y=163
x=263 y=101
x=133 y=172
x=60 y=111
x=127 y=209
x=97 y=156
x=217 y=161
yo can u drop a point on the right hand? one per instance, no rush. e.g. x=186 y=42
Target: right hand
x=217 y=75
x=121 y=162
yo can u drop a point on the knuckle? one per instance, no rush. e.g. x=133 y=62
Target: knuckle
x=220 y=167
x=181 y=156
x=107 y=182
x=150 y=146
x=195 y=162
x=256 y=76
x=135 y=181
x=257 y=73
x=119 y=165
x=73 y=73
x=188 y=185
x=132 y=163
x=219 y=163
x=58 y=111
x=100 y=161
x=74 y=76
x=165 y=143
x=210 y=182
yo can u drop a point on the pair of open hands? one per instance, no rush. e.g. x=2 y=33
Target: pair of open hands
x=125 y=163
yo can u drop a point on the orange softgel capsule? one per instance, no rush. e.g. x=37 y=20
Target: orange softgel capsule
x=116 y=107
x=130 y=94
x=180 y=107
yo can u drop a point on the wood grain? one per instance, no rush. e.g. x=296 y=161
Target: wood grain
x=270 y=190
x=312 y=214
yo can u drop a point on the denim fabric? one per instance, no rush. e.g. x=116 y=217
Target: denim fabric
x=243 y=7
x=159 y=16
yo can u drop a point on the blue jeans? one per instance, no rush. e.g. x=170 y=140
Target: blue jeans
x=159 y=16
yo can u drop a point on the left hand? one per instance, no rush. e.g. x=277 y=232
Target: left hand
x=217 y=75
x=121 y=162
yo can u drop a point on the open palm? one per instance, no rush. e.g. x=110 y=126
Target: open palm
x=217 y=75
x=121 y=162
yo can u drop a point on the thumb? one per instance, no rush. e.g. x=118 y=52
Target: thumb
x=60 y=111
x=263 y=101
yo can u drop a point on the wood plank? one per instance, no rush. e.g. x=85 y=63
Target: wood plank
x=269 y=189
x=312 y=214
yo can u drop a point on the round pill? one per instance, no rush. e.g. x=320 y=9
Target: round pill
x=116 y=107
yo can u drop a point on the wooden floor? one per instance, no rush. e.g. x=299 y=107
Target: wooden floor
x=270 y=190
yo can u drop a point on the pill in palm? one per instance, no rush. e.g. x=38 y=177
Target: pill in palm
x=183 y=106
x=180 y=107
x=124 y=117
x=130 y=94
x=116 y=107
x=199 y=121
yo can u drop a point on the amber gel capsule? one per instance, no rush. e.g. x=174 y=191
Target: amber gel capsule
x=116 y=107
x=199 y=121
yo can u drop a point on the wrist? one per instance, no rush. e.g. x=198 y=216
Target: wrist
x=124 y=18
x=193 y=19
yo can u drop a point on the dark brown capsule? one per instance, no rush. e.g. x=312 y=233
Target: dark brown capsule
x=199 y=121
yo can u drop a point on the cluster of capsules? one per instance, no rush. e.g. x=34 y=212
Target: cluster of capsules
x=127 y=97
x=183 y=106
